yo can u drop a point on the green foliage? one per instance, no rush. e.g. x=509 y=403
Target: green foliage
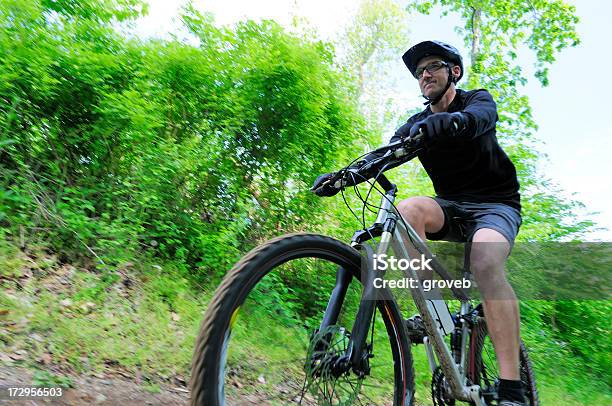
x=112 y=146
x=10 y=260
x=47 y=379
x=374 y=37
x=585 y=327
x=96 y=10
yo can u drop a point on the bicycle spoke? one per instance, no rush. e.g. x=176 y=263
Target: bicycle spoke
x=354 y=389
x=487 y=369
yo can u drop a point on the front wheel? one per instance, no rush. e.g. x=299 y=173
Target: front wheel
x=260 y=342
x=483 y=368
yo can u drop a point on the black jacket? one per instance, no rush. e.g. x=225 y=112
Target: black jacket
x=471 y=167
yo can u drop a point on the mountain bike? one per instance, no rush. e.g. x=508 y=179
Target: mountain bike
x=341 y=342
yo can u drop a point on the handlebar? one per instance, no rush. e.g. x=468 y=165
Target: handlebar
x=388 y=157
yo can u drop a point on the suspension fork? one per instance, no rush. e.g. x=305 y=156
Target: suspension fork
x=330 y=317
x=369 y=297
x=363 y=319
x=357 y=343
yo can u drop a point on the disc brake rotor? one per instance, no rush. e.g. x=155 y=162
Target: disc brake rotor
x=328 y=375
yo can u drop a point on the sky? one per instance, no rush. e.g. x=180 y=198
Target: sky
x=573 y=112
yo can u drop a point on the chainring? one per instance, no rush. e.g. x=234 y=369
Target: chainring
x=440 y=393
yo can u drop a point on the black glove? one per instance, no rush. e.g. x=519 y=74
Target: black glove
x=439 y=125
x=327 y=190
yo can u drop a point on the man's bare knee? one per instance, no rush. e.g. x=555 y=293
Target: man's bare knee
x=488 y=255
x=422 y=212
x=487 y=271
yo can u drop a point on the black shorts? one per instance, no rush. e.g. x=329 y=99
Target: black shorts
x=463 y=219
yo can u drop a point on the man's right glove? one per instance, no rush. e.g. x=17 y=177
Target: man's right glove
x=327 y=190
x=439 y=125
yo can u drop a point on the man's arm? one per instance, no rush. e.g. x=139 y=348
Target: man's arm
x=403 y=132
x=477 y=117
x=481 y=114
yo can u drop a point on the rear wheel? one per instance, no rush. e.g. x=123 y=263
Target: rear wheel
x=259 y=342
x=483 y=369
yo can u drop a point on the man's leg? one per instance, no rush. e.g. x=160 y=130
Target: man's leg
x=488 y=255
x=423 y=214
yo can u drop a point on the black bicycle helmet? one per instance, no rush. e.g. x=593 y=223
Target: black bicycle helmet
x=428 y=48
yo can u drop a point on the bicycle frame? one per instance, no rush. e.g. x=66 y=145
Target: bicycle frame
x=393 y=233
x=455 y=373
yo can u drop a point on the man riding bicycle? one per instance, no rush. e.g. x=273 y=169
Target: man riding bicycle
x=477 y=193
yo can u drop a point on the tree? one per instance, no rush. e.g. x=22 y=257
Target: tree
x=183 y=151
x=372 y=41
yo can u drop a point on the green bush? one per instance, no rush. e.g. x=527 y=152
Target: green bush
x=187 y=152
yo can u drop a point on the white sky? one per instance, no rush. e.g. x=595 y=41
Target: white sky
x=573 y=112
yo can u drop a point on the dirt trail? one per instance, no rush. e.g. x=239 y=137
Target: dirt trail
x=95 y=391
x=109 y=391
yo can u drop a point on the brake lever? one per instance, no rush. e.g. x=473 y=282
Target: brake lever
x=417 y=138
x=336 y=180
x=341 y=181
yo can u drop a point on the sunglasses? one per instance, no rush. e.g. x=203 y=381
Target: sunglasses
x=430 y=67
